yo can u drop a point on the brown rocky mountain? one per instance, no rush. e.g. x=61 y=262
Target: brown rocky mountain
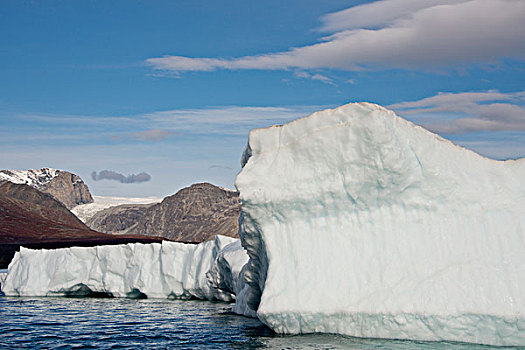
x=194 y=214
x=35 y=219
x=66 y=187
x=69 y=189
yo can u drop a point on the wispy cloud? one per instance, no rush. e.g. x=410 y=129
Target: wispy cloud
x=504 y=146
x=233 y=120
x=454 y=114
x=407 y=34
x=213 y=121
x=316 y=76
x=468 y=111
x=113 y=175
x=152 y=135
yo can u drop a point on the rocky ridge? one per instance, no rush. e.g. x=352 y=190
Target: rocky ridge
x=65 y=187
x=194 y=214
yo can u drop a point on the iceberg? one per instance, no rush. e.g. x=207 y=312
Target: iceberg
x=156 y=270
x=358 y=222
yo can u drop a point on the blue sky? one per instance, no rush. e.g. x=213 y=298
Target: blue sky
x=171 y=88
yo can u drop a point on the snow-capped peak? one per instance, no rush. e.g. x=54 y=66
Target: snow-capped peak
x=37 y=178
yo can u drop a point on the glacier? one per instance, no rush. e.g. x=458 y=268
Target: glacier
x=86 y=211
x=157 y=270
x=358 y=222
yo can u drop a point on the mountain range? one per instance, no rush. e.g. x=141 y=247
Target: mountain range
x=35 y=212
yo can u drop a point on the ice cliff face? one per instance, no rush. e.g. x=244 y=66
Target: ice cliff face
x=360 y=223
x=167 y=270
x=65 y=187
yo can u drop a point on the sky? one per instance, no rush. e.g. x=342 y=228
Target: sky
x=142 y=98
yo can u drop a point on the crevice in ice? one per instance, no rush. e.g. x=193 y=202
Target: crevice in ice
x=246 y=155
x=256 y=268
x=80 y=290
x=175 y=296
x=135 y=293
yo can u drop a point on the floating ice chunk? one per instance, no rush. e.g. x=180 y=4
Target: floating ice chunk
x=360 y=223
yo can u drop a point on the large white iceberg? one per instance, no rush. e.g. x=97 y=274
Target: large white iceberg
x=361 y=223
x=167 y=270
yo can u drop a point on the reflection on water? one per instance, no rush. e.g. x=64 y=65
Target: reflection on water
x=63 y=323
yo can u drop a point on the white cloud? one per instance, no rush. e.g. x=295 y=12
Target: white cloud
x=377 y=14
x=468 y=111
x=422 y=34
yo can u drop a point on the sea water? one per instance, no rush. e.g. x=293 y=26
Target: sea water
x=65 y=323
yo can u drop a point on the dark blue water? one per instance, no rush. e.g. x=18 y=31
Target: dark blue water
x=64 y=323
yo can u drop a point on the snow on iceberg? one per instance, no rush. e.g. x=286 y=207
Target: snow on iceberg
x=361 y=223
x=167 y=270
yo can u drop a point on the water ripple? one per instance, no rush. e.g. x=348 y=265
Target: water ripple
x=64 y=323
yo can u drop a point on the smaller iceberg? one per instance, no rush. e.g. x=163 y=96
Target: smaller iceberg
x=167 y=270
